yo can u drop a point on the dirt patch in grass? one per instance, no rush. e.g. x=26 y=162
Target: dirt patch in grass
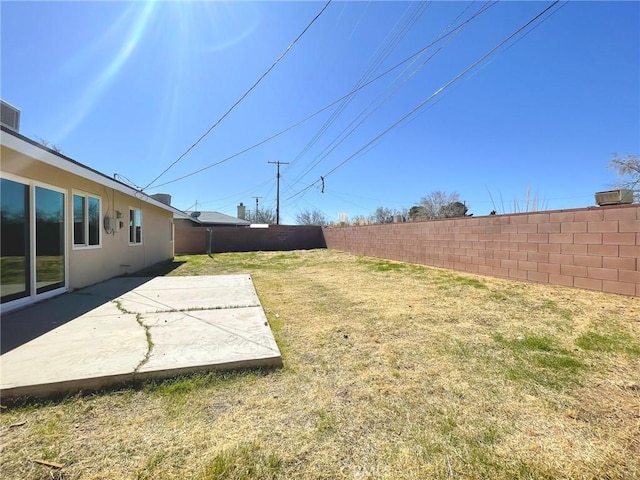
x=392 y=370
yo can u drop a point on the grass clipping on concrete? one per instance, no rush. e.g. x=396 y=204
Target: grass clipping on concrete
x=392 y=370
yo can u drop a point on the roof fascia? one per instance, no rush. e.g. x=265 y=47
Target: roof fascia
x=30 y=148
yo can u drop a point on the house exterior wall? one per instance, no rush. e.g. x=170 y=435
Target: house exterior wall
x=592 y=248
x=89 y=265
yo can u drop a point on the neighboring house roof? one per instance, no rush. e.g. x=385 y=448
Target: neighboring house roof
x=33 y=149
x=213 y=218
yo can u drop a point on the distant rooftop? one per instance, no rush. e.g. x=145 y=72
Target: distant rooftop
x=217 y=218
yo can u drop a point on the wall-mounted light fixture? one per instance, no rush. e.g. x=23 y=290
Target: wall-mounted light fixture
x=118 y=214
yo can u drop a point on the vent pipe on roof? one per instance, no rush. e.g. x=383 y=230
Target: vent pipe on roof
x=162 y=198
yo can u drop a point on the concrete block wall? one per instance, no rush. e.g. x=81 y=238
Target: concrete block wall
x=188 y=242
x=195 y=240
x=594 y=248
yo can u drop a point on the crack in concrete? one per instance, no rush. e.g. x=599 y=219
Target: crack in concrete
x=147 y=333
x=147 y=328
x=205 y=309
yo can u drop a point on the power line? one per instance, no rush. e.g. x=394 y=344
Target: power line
x=326 y=107
x=242 y=97
x=486 y=64
x=314 y=207
x=373 y=108
x=235 y=196
x=433 y=95
x=385 y=48
x=364 y=116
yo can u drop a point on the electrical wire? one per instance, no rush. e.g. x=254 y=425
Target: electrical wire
x=430 y=97
x=296 y=205
x=509 y=47
x=235 y=196
x=326 y=107
x=320 y=156
x=242 y=97
x=122 y=179
x=337 y=140
x=384 y=53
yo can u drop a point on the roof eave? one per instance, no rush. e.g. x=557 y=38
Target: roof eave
x=33 y=149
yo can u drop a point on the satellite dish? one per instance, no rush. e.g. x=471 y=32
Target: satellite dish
x=195 y=214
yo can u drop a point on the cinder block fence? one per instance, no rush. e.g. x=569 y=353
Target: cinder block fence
x=242 y=239
x=594 y=248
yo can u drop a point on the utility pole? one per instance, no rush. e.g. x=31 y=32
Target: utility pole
x=255 y=215
x=278 y=163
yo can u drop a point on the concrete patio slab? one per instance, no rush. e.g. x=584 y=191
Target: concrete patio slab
x=158 y=328
x=191 y=293
x=223 y=337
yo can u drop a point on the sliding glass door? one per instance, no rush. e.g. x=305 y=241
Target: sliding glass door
x=32 y=239
x=49 y=262
x=14 y=246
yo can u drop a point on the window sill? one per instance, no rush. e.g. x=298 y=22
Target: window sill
x=86 y=247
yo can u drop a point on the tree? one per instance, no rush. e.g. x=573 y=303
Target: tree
x=383 y=215
x=434 y=203
x=453 y=210
x=265 y=215
x=389 y=215
x=629 y=169
x=438 y=204
x=361 y=220
x=417 y=213
x=48 y=144
x=311 y=217
x=342 y=219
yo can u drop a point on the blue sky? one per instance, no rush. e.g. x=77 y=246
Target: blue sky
x=126 y=88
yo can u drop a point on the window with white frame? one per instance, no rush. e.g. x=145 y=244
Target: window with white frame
x=86 y=220
x=135 y=226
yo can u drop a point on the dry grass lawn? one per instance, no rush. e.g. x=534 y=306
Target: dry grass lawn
x=392 y=371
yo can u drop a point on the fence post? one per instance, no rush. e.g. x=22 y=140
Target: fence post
x=210 y=232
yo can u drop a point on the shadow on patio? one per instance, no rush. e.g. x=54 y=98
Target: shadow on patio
x=26 y=324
